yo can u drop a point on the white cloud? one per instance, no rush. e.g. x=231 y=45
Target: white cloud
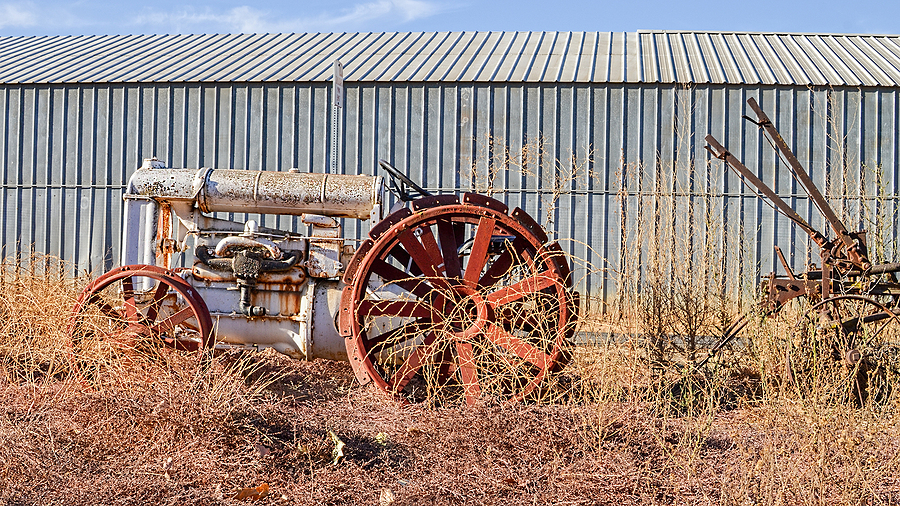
x=245 y=19
x=47 y=17
x=17 y=15
x=239 y=20
x=389 y=10
x=417 y=9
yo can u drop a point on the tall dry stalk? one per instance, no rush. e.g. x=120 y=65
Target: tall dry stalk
x=498 y=167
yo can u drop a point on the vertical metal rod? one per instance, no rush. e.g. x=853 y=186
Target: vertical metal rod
x=337 y=98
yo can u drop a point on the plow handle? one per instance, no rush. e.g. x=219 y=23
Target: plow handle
x=811 y=189
x=718 y=151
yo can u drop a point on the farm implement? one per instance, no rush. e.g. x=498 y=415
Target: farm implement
x=850 y=307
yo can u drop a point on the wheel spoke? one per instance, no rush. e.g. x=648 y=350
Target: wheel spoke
x=109 y=311
x=519 y=290
x=446 y=367
x=499 y=268
x=467 y=372
x=158 y=295
x=182 y=344
x=519 y=319
x=413 y=363
x=120 y=339
x=419 y=256
x=480 y=246
x=398 y=308
x=434 y=251
x=514 y=253
x=392 y=336
x=171 y=322
x=404 y=259
x=519 y=347
x=883 y=326
x=423 y=260
x=128 y=299
x=449 y=248
x=459 y=231
x=412 y=284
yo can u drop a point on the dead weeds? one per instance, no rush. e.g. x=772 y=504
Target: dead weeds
x=262 y=426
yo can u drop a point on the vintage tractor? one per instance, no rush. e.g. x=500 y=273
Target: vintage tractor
x=450 y=292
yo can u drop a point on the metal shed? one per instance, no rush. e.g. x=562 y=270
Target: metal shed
x=598 y=135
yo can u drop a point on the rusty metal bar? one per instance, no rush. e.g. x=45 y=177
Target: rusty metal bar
x=876 y=270
x=784 y=263
x=721 y=153
x=813 y=191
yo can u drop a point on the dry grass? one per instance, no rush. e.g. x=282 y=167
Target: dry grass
x=621 y=429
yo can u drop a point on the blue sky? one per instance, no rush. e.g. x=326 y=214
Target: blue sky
x=54 y=17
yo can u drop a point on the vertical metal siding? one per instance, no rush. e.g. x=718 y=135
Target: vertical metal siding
x=67 y=151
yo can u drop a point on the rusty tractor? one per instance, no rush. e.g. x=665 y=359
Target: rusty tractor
x=448 y=291
x=850 y=307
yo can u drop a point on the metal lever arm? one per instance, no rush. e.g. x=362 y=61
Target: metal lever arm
x=766 y=124
x=721 y=153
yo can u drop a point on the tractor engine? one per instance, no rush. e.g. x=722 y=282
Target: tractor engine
x=264 y=287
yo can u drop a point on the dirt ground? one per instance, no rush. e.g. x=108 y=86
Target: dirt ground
x=262 y=427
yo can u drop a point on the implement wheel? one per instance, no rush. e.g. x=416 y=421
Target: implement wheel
x=839 y=347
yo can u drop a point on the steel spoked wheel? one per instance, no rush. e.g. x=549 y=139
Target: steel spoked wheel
x=460 y=299
x=838 y=350
x=132 y=311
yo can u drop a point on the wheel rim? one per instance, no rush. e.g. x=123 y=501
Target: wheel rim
x=835 y=346
x=111 y=318
x=480 y=303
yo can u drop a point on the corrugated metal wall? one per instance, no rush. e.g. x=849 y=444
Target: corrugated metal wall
x=605 y=166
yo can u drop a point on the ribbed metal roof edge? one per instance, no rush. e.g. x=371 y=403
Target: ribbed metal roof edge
x=738 y=32
x=653 y=56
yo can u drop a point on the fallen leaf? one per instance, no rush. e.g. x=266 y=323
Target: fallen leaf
x=263 y=450
x=253 y=494
x=338 y=452
x=387 y=497
x=417 y=431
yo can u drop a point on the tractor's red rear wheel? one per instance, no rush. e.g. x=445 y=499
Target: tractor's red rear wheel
x=460 y=298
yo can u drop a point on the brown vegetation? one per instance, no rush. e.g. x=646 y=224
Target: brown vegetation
x=621 y=427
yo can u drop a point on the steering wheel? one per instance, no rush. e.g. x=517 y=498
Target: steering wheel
x=400 y=182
